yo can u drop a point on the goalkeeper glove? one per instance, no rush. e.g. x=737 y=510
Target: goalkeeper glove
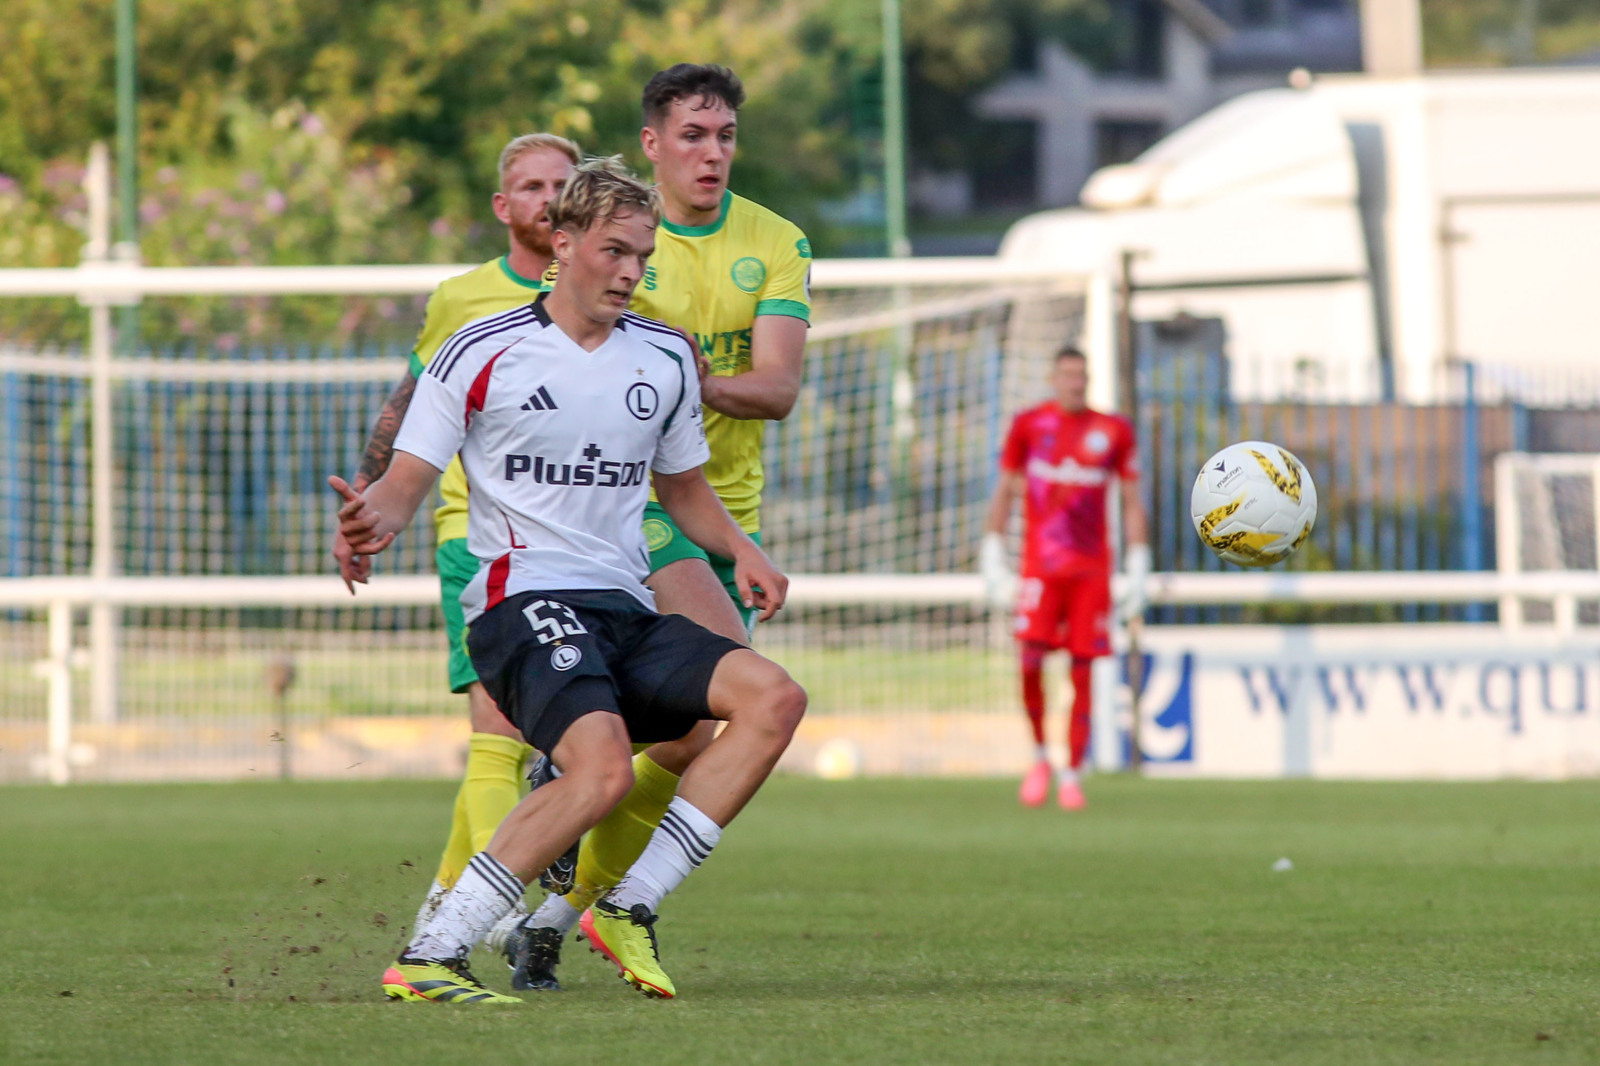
x=999 y=583
x=1136 y=565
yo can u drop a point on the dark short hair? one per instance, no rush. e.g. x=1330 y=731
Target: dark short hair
x=690 y=81
x=1070 y=352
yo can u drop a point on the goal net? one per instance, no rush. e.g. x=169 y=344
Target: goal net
x=203 y=454
x=1548 y=519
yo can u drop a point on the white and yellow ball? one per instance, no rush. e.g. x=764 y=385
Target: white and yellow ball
x=1253 y=503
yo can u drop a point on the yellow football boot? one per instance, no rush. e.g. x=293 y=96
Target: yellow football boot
x=438 y=982
x=628 y=939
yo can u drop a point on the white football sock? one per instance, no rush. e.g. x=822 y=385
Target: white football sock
x=554 y=913
x=679 y=845
x=430 y=904
x=1041 y=753
x=1066 y=775
x=486 y=892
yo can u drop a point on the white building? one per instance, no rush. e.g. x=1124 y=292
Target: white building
x=1377 y=230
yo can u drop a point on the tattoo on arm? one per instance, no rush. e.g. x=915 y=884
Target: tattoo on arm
x=380 y=446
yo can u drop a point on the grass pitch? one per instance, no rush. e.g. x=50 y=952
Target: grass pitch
x=870 y=921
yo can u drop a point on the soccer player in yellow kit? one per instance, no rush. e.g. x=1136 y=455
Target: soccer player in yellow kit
x=533 y=169
x=735 y=276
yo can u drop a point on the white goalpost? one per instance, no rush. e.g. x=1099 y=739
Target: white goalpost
x=1547 y=514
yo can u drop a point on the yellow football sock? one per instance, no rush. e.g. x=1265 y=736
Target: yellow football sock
x=491 y=787
x=458 y=848
x=620 y=838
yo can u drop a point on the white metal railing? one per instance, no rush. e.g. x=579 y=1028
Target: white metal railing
x=60 y=596
x=1172 y=589
x=116 y=282
x=226 y=371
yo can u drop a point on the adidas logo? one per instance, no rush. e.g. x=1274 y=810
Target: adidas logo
x=540 y=401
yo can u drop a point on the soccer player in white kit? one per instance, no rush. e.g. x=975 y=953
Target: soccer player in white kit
x=561 y=411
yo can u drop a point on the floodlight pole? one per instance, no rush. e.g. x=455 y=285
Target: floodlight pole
x=127 y=247
x=894 y=134
x=127 y=138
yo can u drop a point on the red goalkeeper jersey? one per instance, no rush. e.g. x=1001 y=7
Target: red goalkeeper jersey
x=1069 y=459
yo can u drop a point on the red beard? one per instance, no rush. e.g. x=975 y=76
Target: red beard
x=534 y=236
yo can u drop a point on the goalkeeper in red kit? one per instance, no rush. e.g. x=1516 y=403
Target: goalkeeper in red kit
x=1062 y=457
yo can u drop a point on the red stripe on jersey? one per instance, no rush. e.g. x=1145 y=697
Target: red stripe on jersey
x=499 y=570
x=480 y=385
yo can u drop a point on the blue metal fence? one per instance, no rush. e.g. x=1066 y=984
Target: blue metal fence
x=1401 y=486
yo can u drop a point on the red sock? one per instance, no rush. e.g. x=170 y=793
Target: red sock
x=1033 y=689
x=1078 y=725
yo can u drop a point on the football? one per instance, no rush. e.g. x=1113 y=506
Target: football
x=1253 y=503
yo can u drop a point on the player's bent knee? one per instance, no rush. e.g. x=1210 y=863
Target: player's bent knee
x=789 y=705
x=616 y=783
x=599 y=785
x=781 y=707
x=756 y=693
x=596 y=762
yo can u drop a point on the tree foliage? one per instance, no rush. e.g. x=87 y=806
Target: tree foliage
x=1478 y=33
x=322 y=131
x=298 y=131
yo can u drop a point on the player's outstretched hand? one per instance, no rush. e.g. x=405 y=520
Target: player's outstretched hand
x=760 y=584
x=357 y=521
x=353 y=568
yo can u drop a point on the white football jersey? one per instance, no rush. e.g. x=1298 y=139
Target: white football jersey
x=558 y=444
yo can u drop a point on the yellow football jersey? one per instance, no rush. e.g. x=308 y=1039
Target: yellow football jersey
x=713 y=281
x=487 y=290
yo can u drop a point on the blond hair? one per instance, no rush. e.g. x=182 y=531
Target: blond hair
x=598 y=191
x=517 y=147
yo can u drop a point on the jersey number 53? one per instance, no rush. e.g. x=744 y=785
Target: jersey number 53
x=551 y=621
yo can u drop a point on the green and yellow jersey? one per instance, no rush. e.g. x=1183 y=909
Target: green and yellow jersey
x=713 y=281
x=487 y=290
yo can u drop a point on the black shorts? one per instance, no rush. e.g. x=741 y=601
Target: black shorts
x=549 y=658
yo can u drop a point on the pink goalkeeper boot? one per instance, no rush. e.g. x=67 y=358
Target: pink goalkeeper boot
x=1070 y=796
x=1036 y=786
